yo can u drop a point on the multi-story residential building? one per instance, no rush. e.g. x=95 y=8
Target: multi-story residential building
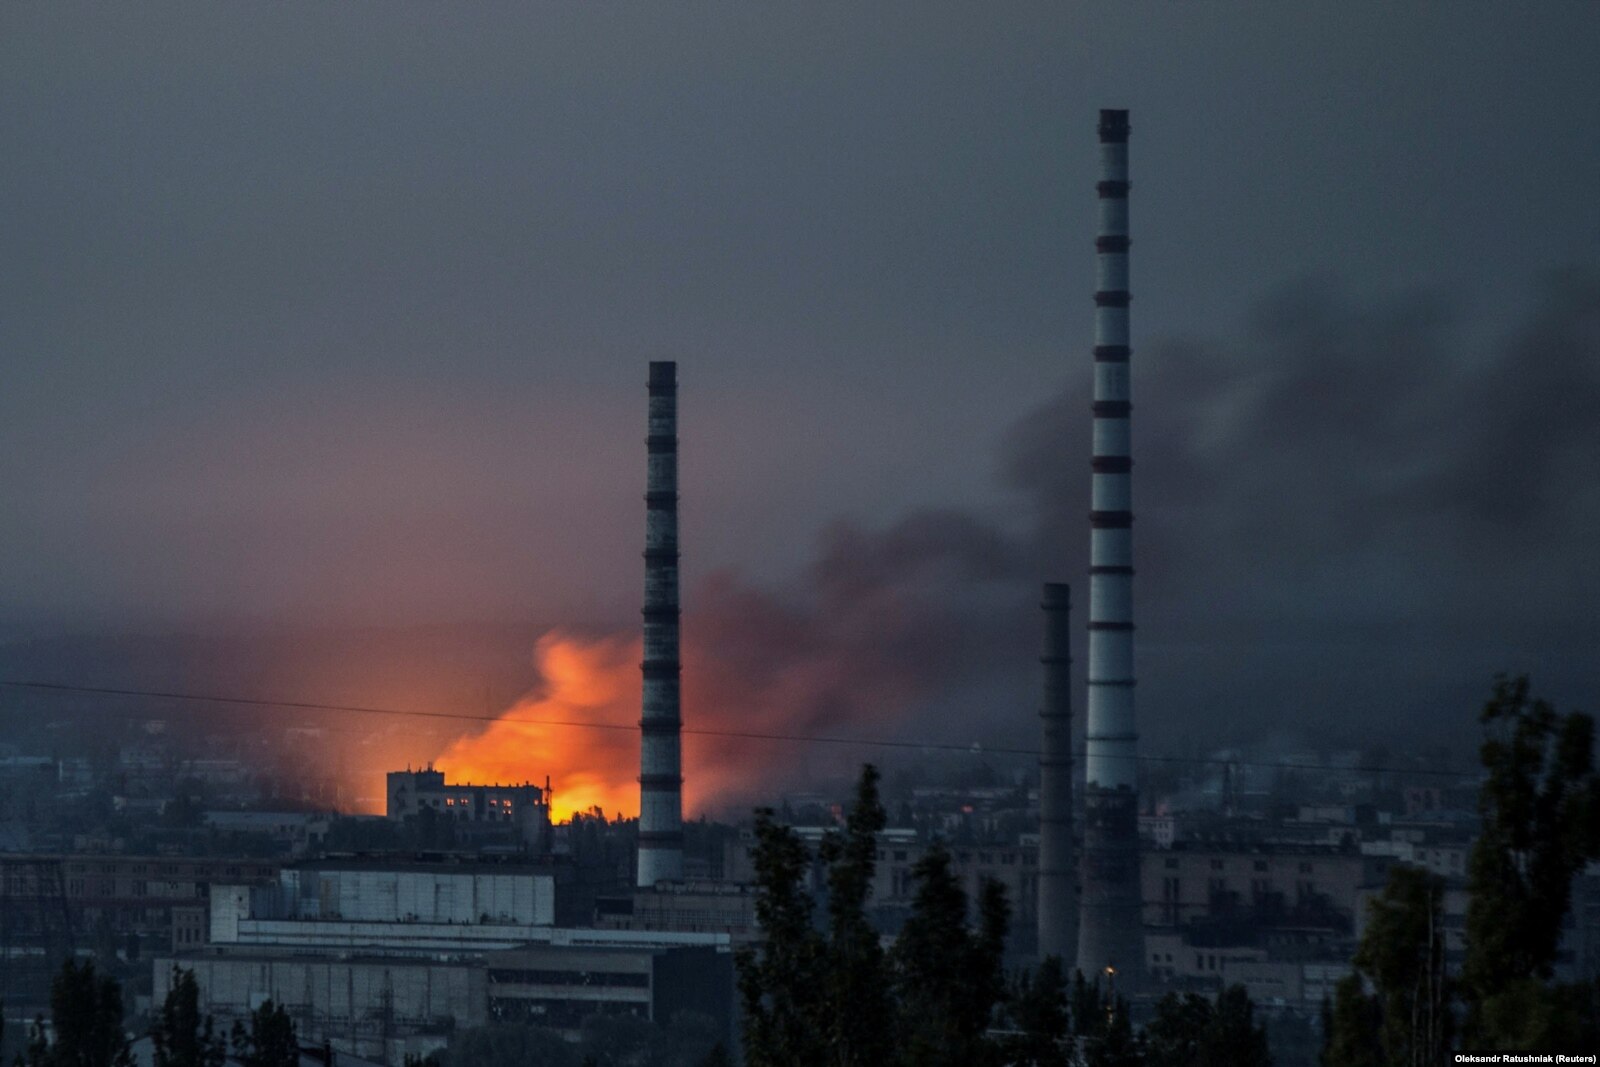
x=523 y=809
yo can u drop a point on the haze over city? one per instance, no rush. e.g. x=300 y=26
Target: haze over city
x=320 y=319
x=324 y=340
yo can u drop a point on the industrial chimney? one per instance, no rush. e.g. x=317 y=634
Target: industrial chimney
x=660 y=777
x=1058 y=874
x=1111 y=937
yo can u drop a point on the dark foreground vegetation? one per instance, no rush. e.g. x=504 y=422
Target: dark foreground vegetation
x=826 y=992
x=1540 y=806
x=822 y=991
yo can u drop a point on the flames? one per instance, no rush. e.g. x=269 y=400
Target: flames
x=579 y=729
x=762 y=675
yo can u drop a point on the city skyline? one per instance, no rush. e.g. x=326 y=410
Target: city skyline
x=328 y=320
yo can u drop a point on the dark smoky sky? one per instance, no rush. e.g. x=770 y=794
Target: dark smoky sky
x=338 y=315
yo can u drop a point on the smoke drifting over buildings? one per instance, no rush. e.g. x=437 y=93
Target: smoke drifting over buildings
x=1305 y=567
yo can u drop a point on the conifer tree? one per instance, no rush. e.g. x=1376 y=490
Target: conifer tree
x=948 y=978
x=780 y=980
x=182 y=1036
x=857 y=992
x=1352 y=1026
x=86 y=1018
x=1041 y=1030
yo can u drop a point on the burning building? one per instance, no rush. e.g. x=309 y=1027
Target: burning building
x=476 y=810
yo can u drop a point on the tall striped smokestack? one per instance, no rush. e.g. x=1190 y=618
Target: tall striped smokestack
x=1111 y=935
x=1058 y=874
x=660 y=777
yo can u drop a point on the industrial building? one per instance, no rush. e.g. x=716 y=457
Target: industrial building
x=386 y=905
x=385 y=957
x=126 y=894
x=696 y=906
x=560 y=986
x=372 y=1006
x=514 y=812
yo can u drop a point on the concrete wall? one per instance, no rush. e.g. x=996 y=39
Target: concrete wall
x=392 y=895
x=1181 y=885
x=335 y=998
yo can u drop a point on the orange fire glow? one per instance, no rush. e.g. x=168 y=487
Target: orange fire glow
x=580 y=727
x=589 y=684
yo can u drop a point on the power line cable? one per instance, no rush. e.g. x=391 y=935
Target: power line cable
x=974 y=748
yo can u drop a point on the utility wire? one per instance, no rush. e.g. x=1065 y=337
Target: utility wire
x=975 y=748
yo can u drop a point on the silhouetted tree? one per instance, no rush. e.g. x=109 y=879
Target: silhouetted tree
x=86 y=1018
x=1352 y=1027
x=1191 y=1031
x=857 y=993
x=1100 y=1021
x=270 y=1040
x=780 y=981
x=1234 y=1039
x=948 y=978
x=1540 y=807
x=182 y=1036
x=1176 y=1033
x=1036 y=1008
x=810 y=998
x=1402 y=954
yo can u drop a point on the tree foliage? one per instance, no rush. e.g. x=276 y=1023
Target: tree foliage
x=1192 y=1031
x=856 y=994
x=809 y=996
x=270 y=1039
x=182 y=1036
x=780 y=984
x=947 y=978
x=1402 y=953
x=1540 y=806
x=824 y=993
x=86 y=1020
x=1352 y=1026
x=1039 y=1028
x=831 y=995
x=1101 y=1019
